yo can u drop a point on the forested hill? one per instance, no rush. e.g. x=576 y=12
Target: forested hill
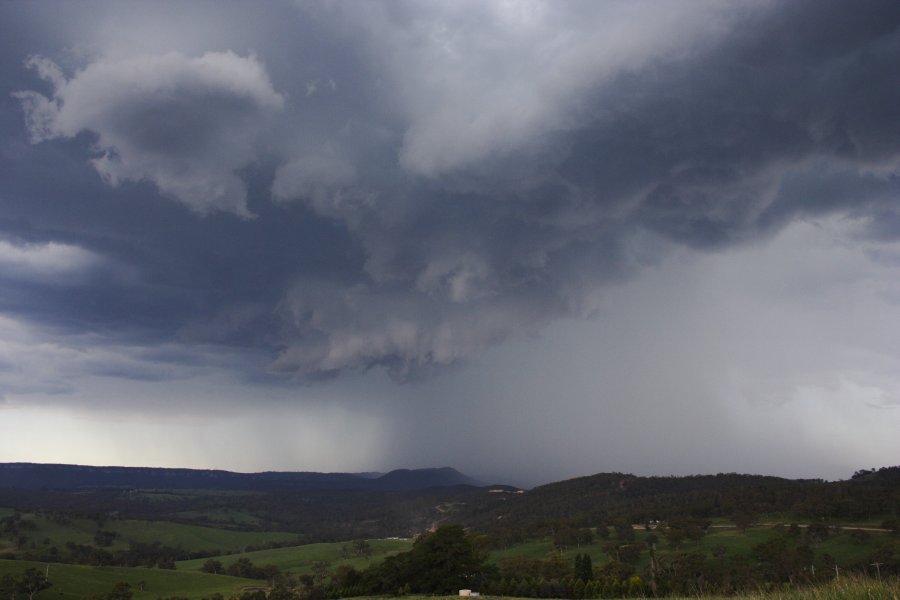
x=611 y=497
x=69 y=477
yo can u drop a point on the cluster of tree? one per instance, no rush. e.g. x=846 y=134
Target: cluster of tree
x=242 y=567
x=105 y=538
x=359 y=548
x=26 y=585
x=15 y=524
x=120 y=591
x=138 y=554
x=601 y=500
x=17 y=528
x=440 y=562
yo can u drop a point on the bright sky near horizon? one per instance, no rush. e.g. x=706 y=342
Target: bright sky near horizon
x=527 y=239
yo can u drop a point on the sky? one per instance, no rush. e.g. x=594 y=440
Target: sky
x=530 y=240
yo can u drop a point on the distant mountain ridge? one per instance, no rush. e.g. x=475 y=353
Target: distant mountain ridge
x=68 y=477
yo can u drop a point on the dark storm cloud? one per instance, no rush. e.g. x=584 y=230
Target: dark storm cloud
x=403 y=185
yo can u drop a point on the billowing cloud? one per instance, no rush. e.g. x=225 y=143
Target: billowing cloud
x=476 y=80
x=335 y=329
x=495 y=164
x=185 y=124
x=433 y=184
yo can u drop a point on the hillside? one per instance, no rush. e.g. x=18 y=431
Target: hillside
x=677 y=535
x=71 y=477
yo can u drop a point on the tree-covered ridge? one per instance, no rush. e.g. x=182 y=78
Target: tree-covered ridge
x=78 y=477
x=605 y=499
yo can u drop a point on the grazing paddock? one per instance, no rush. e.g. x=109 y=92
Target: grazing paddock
x=76 y=582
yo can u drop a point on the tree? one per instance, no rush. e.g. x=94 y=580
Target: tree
x=674 y=536
x=212 y=566
x=362 y=548
x=744 y=519
x=281 y=592
x=120 y=591
x=8 y=587
x=449 y=559
x=32 y=581
x=584 y=568
x=105 y=538
x=631 y=553
x=615 y=569
x=320 y=571
x=555 y=566
x=624 y=530
x=444 y=561
x=242 y=568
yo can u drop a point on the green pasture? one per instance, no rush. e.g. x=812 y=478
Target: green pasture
x=53 y=533
x=847 y=550
x=192 y=538
x=299 y=559
x=531 y=549
x=734 y=541
x=79 y=582
x=840 y=545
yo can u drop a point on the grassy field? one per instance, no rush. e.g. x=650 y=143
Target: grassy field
x=78 y=582
x=840 y=545
x=734 y=541
x=192 y=538
x=299 y=559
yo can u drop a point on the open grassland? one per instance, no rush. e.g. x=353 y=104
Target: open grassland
x=734 y=541
x=299 y=559
x=840 y=544
x=48 y=532
x=79 y=582
x=536 y=549
x=193 y=537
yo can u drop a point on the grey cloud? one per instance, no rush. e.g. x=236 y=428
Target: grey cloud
x=52 y=262
x=614 y=220
x=476 y=172
x=340 y=328
x=186 y=124
x=472 y=81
